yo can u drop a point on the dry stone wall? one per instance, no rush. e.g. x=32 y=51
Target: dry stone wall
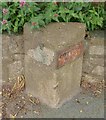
x=93 y=65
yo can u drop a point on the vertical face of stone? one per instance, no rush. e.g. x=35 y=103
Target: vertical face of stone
x=15 y=69
x=40 y=81
x=68 y=79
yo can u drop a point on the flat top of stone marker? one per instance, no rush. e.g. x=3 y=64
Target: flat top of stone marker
x=63 y=34
x=60 y=35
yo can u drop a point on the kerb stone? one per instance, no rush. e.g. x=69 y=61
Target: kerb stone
x=53 y=62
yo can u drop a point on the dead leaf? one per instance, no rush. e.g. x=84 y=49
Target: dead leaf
x=35 y=101
x=19 y=85
x=81 y=111
x=37 y=112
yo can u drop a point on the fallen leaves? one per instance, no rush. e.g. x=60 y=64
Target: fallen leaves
x=87 y=103
x=20 y=108
x=34 y=101
x=77 y=101
x=96 y=87
x=18 y=86
x=6 y=89
x=11 y=90
x=12 y=116
x=81 y=111
x=36 y=112
x=14 y=96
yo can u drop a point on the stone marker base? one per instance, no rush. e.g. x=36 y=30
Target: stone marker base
x=53 y=87
x=53 y=63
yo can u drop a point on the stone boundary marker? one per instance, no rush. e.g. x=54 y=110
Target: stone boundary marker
x=53 y=61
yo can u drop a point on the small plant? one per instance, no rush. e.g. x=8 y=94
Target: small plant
x=16 y=14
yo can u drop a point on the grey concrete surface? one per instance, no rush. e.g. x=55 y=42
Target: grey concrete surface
x=84 y=105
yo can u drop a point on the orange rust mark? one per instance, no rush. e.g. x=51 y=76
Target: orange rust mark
x=69 y=54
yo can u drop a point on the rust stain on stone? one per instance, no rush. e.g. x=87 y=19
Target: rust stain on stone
x=69 y=54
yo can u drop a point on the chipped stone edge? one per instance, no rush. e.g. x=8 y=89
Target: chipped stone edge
x=45 y=55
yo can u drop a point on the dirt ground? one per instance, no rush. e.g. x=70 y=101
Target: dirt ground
x=15 y=103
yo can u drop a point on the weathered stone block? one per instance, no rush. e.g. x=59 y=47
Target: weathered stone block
x=16 y=44
x=53 y=62
x=97 y=61
x=12 y=50
x=87 y=66
x=15 y=69
x=92 y=78
x=96 y=50
x=5 y=46
x=98 y=70
x=4 y=71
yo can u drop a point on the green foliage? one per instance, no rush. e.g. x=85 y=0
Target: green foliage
x=17 y=16
x=41 y=14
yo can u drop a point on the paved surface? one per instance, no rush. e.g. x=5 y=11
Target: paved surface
x=89 y=107
x=84 y=105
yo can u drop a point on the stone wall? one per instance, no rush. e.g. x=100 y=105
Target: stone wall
x=93 y=65
x=12 y=56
